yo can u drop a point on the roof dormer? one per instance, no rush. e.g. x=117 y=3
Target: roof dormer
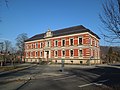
x=48 y=34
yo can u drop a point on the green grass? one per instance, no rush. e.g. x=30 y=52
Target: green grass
x=8 y=68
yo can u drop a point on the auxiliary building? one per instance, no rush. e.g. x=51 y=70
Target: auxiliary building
x=74 y=45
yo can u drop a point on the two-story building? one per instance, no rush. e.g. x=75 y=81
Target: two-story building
x=77 y=45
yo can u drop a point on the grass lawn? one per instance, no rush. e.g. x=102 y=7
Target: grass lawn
x=8 y=68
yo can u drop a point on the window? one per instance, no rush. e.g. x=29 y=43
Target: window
x=31 y=54
x=80 y=41
x=36 y=45
x=63 y=42
x=63 y=53
x=36 y=53
x=41 y=54
x=56 y=53
x=48 y=43
x=32 y=46
x=80 y=53
x=26 y=54
x=41 y=45
x=56 y=43
x=71 y=53
x=71 y=42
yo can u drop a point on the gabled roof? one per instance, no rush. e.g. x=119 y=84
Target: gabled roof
x=62 y=32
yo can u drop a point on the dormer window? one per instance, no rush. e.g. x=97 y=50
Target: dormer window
x=48 y=33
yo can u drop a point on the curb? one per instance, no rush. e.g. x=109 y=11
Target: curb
x=23 y=84
x=15 y=70
x=118 y=67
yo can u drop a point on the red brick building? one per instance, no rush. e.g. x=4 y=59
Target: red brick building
x=73 y=45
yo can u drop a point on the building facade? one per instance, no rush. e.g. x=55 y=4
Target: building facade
x=77 y=45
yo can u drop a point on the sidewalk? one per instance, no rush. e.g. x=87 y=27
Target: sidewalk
x=73 y=66
x=86 y=66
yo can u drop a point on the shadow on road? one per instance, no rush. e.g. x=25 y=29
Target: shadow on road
x=109 y=76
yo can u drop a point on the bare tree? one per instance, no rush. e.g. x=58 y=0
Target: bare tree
x=20 y=43
x=7 y=46
x=1 y=46
x=110 y=18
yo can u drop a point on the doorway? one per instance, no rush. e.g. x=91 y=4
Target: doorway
x=47 y=55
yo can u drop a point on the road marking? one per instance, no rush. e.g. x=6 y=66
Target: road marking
x=102 y=81
x=99 y=83
x=86 y=85
x=65 y=78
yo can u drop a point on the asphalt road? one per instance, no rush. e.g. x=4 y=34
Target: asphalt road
x=73 y=78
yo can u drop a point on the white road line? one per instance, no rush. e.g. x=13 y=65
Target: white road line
x=86 y=85
x=98 y=84
x=65 y=78
x=95 y=83
x=103 y=80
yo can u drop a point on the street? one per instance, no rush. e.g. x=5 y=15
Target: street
x=48 y=77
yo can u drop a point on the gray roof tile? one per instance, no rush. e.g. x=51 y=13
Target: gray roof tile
x=62 y=32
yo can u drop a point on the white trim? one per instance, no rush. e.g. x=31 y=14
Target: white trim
x=55 y=43
x=47 y=43
x=78 y=40
x=41 y=44
x=31 y=54
x=41 y=54
x=79 y=53
x=62 y=53
x=62 y=42
x=70 y=42
x=59 y=37
x=70 y=53
x=60 y=48
x=93 y=36
x=55 y=53
x=36 y=45
x=36 y=54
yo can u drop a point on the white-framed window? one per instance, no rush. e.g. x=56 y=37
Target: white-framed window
x=36 y=53
x=80 y=40
x=63 y=42
x=40 y=53
x=56 y=53
x=41 y=44
x=56 y=43
x=63 y=53
x=71 y=41
x=47 y=43
x=31 y=54
x=32 y=46
x=36 y=45
x=80 y=53
x=71 y=53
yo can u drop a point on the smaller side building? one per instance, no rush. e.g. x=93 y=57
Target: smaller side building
x=77 y=45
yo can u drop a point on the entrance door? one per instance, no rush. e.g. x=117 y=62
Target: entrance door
x=47 y=55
